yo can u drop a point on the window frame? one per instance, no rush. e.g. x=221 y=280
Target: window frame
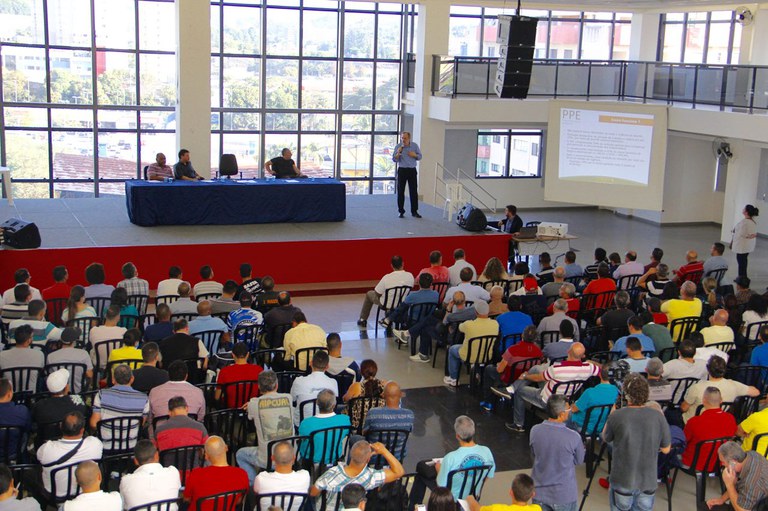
x=506 y=139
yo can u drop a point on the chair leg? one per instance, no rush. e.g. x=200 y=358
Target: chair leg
x=701 y=482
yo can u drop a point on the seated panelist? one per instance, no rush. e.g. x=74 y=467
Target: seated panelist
x=159 y=170
x=283 y=166
x=184 y=170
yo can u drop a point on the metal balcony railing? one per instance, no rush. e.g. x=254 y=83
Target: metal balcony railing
x=735 y=88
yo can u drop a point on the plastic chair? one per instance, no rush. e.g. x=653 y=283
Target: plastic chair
x=568 y=389
x=63 y=484
x=285 y=501
x=413 y=315
x=395 y=440
x=285 y=380
x=166 y=299
x=276 y=334
x=119 y=434
x=84 y=324
x=392 y=299
x=627 y=282
x=189 y=316
x=295 y=441
x=100 y=304
x=24 y=379
x=78 y=380
x=358 y=407
x=266 y=357
x=303 y=357
x=756 y=442
x=231 y=424
x=248 y=332
x=207 y=296
x=472 y=480
x=140 y=302
x=158 y=505
x=307 y=408
x=509 y=340
x=548 y=337
x=210 y=339
x=184 y=458
x=102 y=350
x=706 y=451
x=717 y=274
x=441 y=288
x=480 y=352
x=226 y=501
x=681 y=328
x=681 y=388
x=344 y=380
x=590 y=435
x=238 y=393
x=13 y=441
x=331 y=444
x=133 y=363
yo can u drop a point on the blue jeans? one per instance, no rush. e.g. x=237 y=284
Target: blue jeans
x=571 y=506
x=524 y=394
x=621 y=499
x=454 y=361
x=248 y=459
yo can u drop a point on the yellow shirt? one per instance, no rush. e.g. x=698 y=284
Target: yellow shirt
x=476 y=328
x=125 y=353
x=754 y=425
x=511 y=507
x=303 y=335
x=717 y=333
x=676 y=308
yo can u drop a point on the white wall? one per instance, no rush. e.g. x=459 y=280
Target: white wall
x=741 y=188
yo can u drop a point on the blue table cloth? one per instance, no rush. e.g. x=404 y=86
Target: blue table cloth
x=230 y=202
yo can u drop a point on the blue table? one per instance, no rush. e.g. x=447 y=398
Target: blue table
x=230 y=202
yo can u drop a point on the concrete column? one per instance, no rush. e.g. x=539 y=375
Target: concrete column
x=754 y=40
x=431 y=39
x=193 y=87
x=644 y=38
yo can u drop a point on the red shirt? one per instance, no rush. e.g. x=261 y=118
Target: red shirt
x=207 y=481
x=240 y=372
x=439 y=273
x=683 y=273
x=710 y=424
x=660 y=318
x=573 y=306
x=58 y=290
x=515 y=353
x=600 y=286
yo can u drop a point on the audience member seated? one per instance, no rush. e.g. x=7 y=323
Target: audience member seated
x=431 y=327
x=514 y=321
x=654 y=280
x=325 y=418
x=396 y=278
x=109 y=331
x=530 y=286
x=60 y=289
x=497 y=305
x=552 y=289
x=424 y=295
x=207 y=285
x=204 y=322
x=659 y=388
x=73 y=445
x=120 y=400
x=692 y=265
x=284 y=479
x=391 y=415
x=494 y=270
x=308 y=387
x=131 y=282
x=241 y=370
x=658 y=334
x=214 y=478
x=686 y=365
x=148 y=376
x=22 y=355
x=95 y=276
x=654 y=307
x=710 y=424
x=568 y=293
x=162 y=327
x=267 y=299
x=631 y=266
x=226 y=302
x=523 y=490
x=635 y=327
x=249 y=284
x=459 y=353
x=282 y=314
x=552 y=323
x=754 y=425
x=745 y=477
x=337 y=363
x=602 y=283
x=184 y=304
x=60 y=404
x=616 y=319
x=614 y=261
x=756 y=311
x=245 y=315
x=460 y=262
x=572 y=369
x=150 y=481
x=471 y=292
x=9 y=494
x=358 y=471
x=128 y=351
x=69 y=354
x=170 y=286
x=546 y=271
x=590 y=271
x=182 y=346
x=604 y=393
x=20 y=277
x=685 y=306
x=128 y=313
x=729 y=389
x=272 y=416
x=436 y=269
x=177 y=386
x=370 y=387
x=719 y=331
x=571 y=268
x=635 y=358
x=716 y=260
x=501 y=374
x=19 y=307
x=655 y=259
x=705 y=352
x=42 y=329
x=179 y=430
x=559 y=350
x=302 y=335
x=89 y=479
x=431 y=473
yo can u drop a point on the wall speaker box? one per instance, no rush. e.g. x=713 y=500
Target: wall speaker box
x=516 y=30
x=517 y=34
x=20 y=234
x=471 y=218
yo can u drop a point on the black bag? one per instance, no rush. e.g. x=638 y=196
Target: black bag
x=471 y=218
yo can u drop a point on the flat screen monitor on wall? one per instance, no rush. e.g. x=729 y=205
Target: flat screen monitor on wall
x=606 y=154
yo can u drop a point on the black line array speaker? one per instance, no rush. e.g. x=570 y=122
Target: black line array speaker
x=471 y=218
x=20 y=234
x=517 y=37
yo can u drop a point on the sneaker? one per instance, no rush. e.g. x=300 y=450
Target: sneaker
x=402 y=336
x=501 y=392
x=384 y=322
x=604 y=482
x=418 y=357
x=362 y=322
x=486 y=405
x=450 y=381
x=514 y=428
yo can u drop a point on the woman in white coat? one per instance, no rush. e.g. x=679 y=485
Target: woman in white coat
x=745 y=237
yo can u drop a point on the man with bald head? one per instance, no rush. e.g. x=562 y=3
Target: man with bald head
x=685 y=306
x=357 y=471
x=159 y=170
x=572 y=369
x=719 y=331
x=284 y=479
x=185 y=304
x=692 y=265
x=389 y=416
x=631 y=266
x=217 y=477
x=92 y=497
x=204 y=322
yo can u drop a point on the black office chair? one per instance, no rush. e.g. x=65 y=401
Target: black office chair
x=228 y=165
x=146 y=167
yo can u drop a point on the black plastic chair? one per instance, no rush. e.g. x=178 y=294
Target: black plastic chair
x=472 y=480
x=284 y=501
x=146 y=320
x=358 y=407
x=276 y=334
x=717 y=275
x=548 y=337
x=185 y=459
x=725 y=347
x=133 y=363
x=480 y=352
x=509 y=340
x=140 y=302
x=100 y=304
x=344 y=380
x=114 y=467
x=166 y=299
x=189 y=316
x=84 y=324
x=297 y=444
x=24 y=379
x=681 y=386
x=332 y=445
x=102 y=350
x=601 y=357
x=231 y=424
x=119 y=434
x=162 y=418
x=395 y=440
x=285 y=380
x=590 y=435
x=513 y=285
x=78 y=380
x=238 y=393
x=754 y=376
x=13 y=441
x=627 y=282
x=53 y=310
x=248 y=332
x=307 y=408
x=159 y=505
x=441 y=288
x=303 y=357
x=63 y=484
x=568 y=389
x=593 y=305
x=707 y=451
x=753 y=330
x=756 y=441
x=266 y=357
x=226 y=501
x=207 y=296
x=211 y=340
x=413 y=315
x=681 y=328
x=392 y=299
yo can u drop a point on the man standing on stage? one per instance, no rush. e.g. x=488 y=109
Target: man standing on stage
x=282 y=166
x=407 y=153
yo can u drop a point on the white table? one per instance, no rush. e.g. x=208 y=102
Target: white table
x=6 y=172
x=535 y=246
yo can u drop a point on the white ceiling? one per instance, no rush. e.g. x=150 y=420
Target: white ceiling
x=616 y=5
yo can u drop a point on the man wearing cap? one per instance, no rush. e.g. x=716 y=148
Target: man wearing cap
x=471 y=293
x=61 y=402
x=69 y=354
x=458 y=353
x=22 y=355
x=530 y=287
x=42 y=329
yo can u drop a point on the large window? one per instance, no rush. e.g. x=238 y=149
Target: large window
x=700 y=37
x=559 y=35
x=88 y=92
x=508 y=153
x=316 y=76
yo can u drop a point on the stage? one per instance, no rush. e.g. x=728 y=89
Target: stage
x=76 y=232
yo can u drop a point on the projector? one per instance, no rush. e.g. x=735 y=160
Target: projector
x=553 y=229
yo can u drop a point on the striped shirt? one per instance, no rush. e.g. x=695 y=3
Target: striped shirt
x=14 y=311
x=120 y=401
x=42 y=330
x=752 y=485
x=206 y=287
x=335 y=479
x=566 y=371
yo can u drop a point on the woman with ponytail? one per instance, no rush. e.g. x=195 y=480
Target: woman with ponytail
x=745 y=237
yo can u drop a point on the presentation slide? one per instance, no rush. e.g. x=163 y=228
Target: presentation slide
x=605 y=147
x=606 y=153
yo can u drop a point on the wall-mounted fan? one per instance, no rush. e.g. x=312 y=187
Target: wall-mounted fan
x=721 y=149
x=744 y=16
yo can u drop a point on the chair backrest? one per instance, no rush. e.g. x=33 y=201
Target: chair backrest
x=140 y=302
x=103 y=349
x=231 y=424
x=285 y=380
x=597 y=301
x=100 y=304
x=705 y=454
x=162 y=418
x=358 y=408
x=520 y=366
x=681 y=386
x=513 y=285
x=47 y=431
x=395 y=440
x=480 y=349
x=600 y=414
x=238 y=393
x=471 y=480
x=307 y=408
x=265 y=357
x=548 y=337
x=276 y=334
x=145 y=320
x=394 y=296
x=303 y=357
x=210 y=339
x=184 y=458
x=725 y=347
x=441 y=288
x=285 y=501
x=12 y=444
x=225 y=501
x=418 y=311
x=509 y=340
x=601 y=357
x=78 y=381
x=753 y=330
x=63 y=484
x=756 y=444
x=166 y=299
x=750 y=375
x=133 y=363
x=576 y=280
x=114 y=467
x=681 y=328
x=84 y=324
x=344 y=380
x=568 y=389
x=327 y=445
x=207 y=296
x=247 y=332
x=189 y=316
x=296 y=442
x=53 y=310
x=717 y=274
x=159 y=505
x=627 y=282
x=693 y=276
x=119 y=434
x=23 y=379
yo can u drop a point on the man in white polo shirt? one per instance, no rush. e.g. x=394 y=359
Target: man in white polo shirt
x=151 y=481
x=396 y=278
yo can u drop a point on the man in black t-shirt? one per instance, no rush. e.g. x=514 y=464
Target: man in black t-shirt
x=183 y=170
x=148 y=376
x=283 y=166
x=250 y=284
